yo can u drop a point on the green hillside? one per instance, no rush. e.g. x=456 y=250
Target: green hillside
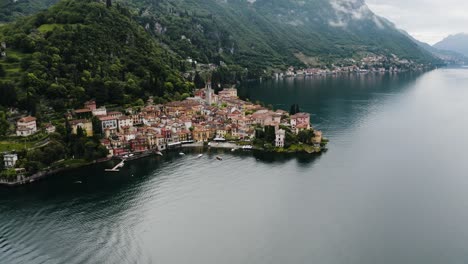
x=78 y=50
x=262 y=34
x=13 y=9
x=274 y=33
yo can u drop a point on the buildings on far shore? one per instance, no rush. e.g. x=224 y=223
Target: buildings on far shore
x=201 y=118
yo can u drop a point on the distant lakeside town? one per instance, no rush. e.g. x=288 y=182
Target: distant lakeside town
x=219 y=120
x=369 y=64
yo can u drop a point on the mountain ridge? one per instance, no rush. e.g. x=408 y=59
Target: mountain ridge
x=457 y=43
x=271 y=34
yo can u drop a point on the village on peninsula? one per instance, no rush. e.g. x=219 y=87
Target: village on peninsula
x=207 y=119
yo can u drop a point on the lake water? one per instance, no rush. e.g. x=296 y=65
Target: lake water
x=393 y=188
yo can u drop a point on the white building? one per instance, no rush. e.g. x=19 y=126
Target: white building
x=10 y=160
x=108 y=122
x=101 y=111
x=125 y=122
x=280 y=136
x=26 y=126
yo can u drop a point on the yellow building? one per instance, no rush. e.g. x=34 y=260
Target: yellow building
x=203 y=134
x=85 y=124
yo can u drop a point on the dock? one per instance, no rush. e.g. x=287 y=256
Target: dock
x=116 y=167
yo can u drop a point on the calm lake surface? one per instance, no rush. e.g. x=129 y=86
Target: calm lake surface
x=393 y=188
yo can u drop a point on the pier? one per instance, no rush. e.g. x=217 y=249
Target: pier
x=116 y=167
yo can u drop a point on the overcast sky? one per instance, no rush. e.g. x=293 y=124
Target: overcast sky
x=427 y=20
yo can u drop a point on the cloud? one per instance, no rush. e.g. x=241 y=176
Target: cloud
x=347 y=10
x=427 y=20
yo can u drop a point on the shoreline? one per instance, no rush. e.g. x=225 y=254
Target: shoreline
x=41 y=175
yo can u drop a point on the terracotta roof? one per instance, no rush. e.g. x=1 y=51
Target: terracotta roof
x=27 y=119
x=84 y=110
x=301 y=115
x=106 y=118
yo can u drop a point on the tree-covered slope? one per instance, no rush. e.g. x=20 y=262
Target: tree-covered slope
x=13 y=9
x=261 y=34
x=77 y=50
x=271 y=33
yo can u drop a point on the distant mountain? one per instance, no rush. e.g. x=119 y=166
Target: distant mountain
x=271 y=33
x=447 y=56
x=268 y=34
x=457 y=43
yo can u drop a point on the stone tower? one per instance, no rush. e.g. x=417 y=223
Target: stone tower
x=208 y=93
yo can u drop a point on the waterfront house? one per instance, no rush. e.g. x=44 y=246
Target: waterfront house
x=201 y=133
x=139 y=144
x=26 y=126
x=300 y=119
x=280 y=135
x=317 y=137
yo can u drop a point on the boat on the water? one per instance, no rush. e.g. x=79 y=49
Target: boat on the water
x=182 y=154
x=199 y=156
x=159 y=153
x=219 y=158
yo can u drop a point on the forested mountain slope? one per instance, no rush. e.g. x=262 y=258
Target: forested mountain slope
x=78 y=50
x=262 y=34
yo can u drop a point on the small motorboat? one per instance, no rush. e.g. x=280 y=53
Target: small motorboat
x=78 y=182
x=232 y=150
x=182 y=154
x=199 y=156
x=159 y=153
x=219 y=158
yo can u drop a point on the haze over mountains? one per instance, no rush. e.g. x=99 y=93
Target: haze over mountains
x=457 y=43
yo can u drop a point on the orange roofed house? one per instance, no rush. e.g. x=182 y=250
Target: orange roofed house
x=300 y=121
x=26 y=126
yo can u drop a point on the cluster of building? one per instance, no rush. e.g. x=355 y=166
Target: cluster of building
x=27 y=126
x=378 y=64
x=205 y=116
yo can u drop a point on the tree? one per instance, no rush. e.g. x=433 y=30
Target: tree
x=4 y=125
x=305 y=136
x=8 y=96
x=108 y=3
x=198 y=81
x=2 y=71
x=2 y=164
x=294 y=109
